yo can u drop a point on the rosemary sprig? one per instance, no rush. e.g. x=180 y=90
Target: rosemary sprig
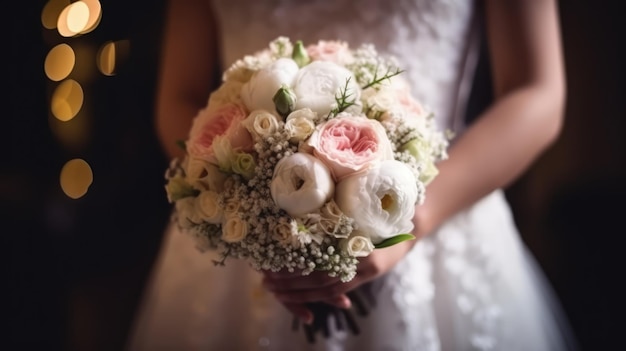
x=377 y=80
x=343 y=100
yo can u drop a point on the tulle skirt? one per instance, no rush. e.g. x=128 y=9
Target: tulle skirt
x=471 y=285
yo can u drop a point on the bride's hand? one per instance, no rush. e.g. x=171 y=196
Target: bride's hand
x=294 y=290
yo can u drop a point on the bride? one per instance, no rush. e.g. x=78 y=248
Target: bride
x=468 y=282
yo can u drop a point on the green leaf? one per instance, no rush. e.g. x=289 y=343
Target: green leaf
x=394 y=240
x=181 y=144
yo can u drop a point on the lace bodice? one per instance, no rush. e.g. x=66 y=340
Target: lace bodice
x=429 y=38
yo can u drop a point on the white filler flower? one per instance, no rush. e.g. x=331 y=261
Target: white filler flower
x=381 y=201
x=301 y=184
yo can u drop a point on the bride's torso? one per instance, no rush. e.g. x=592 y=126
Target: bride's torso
x=429 y=38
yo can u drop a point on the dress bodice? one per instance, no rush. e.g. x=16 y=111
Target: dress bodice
x=431 y=39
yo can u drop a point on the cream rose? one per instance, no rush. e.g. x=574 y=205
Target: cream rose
x=258 y=92
x=208 y=208
x=301 y=184
x=203 y=175
x=284 y=233
x=234 y=229
x=299 y=127
x=261 y=124
x=357 y=245
x=381 y=201
x=349 y=144
x=318 y=84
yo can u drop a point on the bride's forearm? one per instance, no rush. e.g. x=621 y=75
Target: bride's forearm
x=492 y=153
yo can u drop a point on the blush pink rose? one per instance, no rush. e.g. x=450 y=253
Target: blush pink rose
x=334 y=51
x=223 y=121
x=348 y=144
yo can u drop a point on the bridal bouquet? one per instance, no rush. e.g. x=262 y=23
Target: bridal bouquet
x=306 y=158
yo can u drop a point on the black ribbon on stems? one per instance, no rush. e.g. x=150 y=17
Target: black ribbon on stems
x=363 y=301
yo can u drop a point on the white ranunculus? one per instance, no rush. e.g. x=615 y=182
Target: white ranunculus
x=381 y=201
x=234 y=229
x=357 y=245
x=261 y=124
x=258 y=92
x=301 y=184
x=203 y=175
x=320 y=82
x=207 y=205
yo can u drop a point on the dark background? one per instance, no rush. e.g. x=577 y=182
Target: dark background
x=76 y=267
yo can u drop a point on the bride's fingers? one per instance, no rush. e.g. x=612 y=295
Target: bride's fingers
x=312 y=281
x=331 y=293
x=300 y=311
x=341 y=301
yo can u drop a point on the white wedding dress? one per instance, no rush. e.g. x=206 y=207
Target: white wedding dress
x=471 y=285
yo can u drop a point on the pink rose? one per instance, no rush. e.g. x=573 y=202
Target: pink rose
x=348 y=144
x=334 y=51
x=223 y=121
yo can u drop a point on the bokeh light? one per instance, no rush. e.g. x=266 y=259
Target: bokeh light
x=59 y=62
x=67 y=100
x=76 y=177
x=79 y=17
x=110 y=54
x=51 y=12
x=95 y=15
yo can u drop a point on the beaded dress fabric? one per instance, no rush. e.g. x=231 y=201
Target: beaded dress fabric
x=471 y=285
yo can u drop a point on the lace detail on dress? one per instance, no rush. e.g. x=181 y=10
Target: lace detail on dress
x=428 y=37
x=471 y=264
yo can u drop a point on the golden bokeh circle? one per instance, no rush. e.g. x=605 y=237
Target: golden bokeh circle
x=67 y=100
x=76 y=177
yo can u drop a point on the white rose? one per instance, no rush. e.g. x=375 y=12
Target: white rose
x=234 y=229
x=320 y=82
x=303 y=112
x=231 y=206
x=331 y=210
x=379 y=101
x=203 y=175
x=284 y=233
x=258 y=92
x=299 y=128
x=224 y=153
x=261 y=124
x=381 y=201
x=301 y=184
x=357 y=246
x=208 y=208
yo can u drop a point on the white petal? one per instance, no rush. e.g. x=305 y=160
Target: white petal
x=359 y=197
x=301 y=184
